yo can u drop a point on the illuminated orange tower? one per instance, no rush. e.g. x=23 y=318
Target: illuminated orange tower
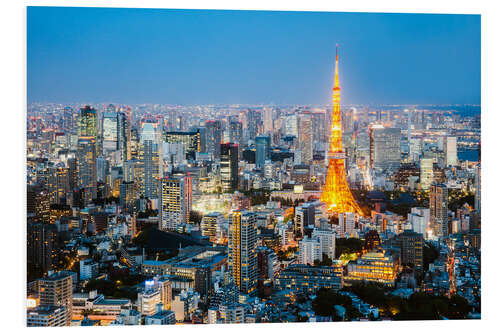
x=336 y=193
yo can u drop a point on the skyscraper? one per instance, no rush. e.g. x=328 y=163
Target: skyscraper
x=191 y=141
x=327 y=240
x=127 y=195
x=150 y=156
x=319 y=126
x=254 y=123
x=385 y=147
x=306 y=137
x=229 y=166
x=41 y=248
x=242 y=250
x=477 y=189
x=426 y=173
x=102 y=167
x=236 y=132
x=87 y=168
x=336 y=193
x=109 y=129
x=214 y=137
x=291 y=125
x=87 y=122
x=127 y=140
x=62 y=184
x=268 y=120
x=115 y=129
x=38 y=203
x=263 y=150
x=438 y=204
x=72 y=173
x=68 y=124
x=450 y=150
x=409 y=127
x=176 y=197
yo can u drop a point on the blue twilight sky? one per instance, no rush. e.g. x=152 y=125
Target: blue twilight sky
x=204 y=57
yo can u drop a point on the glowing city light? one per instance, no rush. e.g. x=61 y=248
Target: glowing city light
x=336 y=193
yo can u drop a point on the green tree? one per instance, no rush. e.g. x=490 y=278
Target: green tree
x=348 y=245
x=325 y=301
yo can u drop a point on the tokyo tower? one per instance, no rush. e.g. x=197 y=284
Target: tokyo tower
x=336 y=193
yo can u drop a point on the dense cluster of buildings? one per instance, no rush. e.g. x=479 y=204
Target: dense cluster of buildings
x=158 y=214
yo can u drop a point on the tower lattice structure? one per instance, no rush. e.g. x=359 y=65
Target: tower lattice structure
x=336 y=193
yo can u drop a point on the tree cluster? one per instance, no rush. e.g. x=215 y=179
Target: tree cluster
x=348 y=245
x=325 y=261
x=419 y=306
x=325 y=301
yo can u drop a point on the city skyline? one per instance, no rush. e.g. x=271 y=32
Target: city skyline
x=165 y=214
x=164 y=56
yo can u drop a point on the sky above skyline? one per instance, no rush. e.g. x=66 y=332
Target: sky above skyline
x=250 y=57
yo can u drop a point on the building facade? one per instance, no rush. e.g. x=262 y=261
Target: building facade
x=176 y=197
x=242 y=250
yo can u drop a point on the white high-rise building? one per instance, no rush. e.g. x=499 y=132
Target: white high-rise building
x=309 y=250
x=385 y=147
x=151 y=158
x=419 y=218
x=291 y=126
x=450 y=149
x=174 y=153
x=426 y=173
x=176 y=197
x=347 y=224
x=267 y=120
x=327 y=240
x=415 y=149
